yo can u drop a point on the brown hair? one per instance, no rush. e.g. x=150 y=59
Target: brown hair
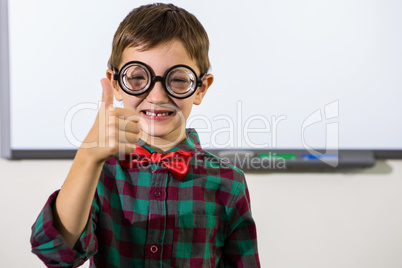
x=151 y=25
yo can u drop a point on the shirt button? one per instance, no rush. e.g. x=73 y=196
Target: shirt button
x=157 y=193
x=154 y=249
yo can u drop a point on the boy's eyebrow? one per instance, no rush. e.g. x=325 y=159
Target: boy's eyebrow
x=153 y=72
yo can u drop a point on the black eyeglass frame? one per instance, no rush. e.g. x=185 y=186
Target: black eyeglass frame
x=119 y=75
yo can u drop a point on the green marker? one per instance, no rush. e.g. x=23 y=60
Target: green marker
x=274 y=155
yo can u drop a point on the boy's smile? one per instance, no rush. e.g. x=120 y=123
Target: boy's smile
x=164 y=116
x=157 y=114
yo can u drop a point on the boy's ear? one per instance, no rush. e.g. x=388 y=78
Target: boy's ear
x=201 y=91
x=115 y=85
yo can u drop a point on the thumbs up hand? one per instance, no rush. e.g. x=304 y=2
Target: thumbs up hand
x=115 y=131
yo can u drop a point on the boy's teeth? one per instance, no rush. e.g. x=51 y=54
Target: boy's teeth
x=155 y=114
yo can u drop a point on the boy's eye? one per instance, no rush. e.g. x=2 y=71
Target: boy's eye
x=180 y=84
x=179 y=80
x=136 y=82
x=136 y=78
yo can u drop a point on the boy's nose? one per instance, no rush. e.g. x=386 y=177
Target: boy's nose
x=157 y=93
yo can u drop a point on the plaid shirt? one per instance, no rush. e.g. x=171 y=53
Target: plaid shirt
x=144 y=217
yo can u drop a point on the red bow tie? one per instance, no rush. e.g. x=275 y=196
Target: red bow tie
x=176 y=162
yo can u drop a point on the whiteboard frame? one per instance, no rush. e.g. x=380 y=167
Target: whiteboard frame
x=6 y=151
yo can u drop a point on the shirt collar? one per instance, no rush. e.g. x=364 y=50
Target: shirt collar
x=191 y=143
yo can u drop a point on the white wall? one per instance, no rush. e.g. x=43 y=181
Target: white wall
x=304 y=220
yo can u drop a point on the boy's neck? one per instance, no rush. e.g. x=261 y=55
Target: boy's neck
x=163 y=144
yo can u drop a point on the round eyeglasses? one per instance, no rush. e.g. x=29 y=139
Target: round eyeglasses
x=179 y=81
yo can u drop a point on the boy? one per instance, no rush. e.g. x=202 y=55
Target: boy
x=168 y=203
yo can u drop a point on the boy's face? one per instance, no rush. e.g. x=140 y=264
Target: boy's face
x=164 y=116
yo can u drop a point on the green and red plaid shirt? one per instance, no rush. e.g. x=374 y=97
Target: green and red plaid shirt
x=144 y=217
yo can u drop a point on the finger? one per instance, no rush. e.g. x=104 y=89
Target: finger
x=129 y=126
x=128 y=138
x=107 y=92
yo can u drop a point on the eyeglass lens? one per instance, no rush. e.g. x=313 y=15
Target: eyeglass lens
x=136 y=78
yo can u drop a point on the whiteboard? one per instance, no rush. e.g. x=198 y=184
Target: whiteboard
x=289 y=74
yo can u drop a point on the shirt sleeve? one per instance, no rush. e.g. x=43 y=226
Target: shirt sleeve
x=240 y=249
x=49 y=245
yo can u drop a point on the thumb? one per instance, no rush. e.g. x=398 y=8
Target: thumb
x=107 y=93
